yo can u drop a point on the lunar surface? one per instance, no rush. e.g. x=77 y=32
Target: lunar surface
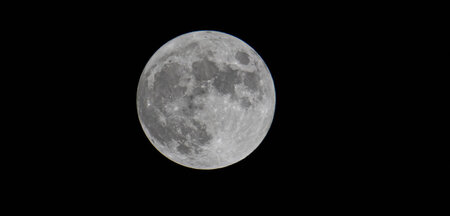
x=206 y=100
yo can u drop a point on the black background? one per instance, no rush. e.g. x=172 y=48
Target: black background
x=328 y=137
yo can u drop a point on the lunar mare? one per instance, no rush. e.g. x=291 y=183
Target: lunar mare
x=206 y=100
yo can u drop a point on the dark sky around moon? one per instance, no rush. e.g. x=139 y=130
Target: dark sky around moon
x=325 y=67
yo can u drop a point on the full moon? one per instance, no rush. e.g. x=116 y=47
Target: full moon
x=205 y=100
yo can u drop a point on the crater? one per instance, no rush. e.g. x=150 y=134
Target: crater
x=242 y=57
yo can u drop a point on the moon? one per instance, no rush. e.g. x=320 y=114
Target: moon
x=206 y=100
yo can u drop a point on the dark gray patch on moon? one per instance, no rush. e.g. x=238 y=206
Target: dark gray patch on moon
x=180 y=127
x=190 y=106
x=225 y=81
x=242 y=57
x=200 y=90
x=183 y=149
x=198 y=137
x=204 y=70
x=176 y=129
x=165 y=87
x=156 y=128
x=245 y=102
x=189 y=47
x=251 y=80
